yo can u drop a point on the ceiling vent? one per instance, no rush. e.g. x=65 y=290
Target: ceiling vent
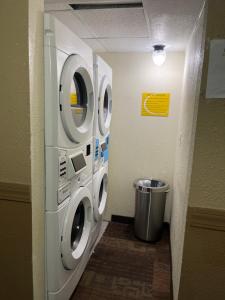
x=80 y=6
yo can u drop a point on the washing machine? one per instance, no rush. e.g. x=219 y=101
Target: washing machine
x=103 y=111
x=100 y=191
x=69 y=88
x=68 y=241
x=69 y=218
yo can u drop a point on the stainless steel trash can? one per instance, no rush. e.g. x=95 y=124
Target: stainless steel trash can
x=150 y=202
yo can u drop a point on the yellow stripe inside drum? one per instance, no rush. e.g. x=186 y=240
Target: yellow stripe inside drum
x=73 y=99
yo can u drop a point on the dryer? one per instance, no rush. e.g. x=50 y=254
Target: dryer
x=69 y=89
x=103 y=111
x=68 y=242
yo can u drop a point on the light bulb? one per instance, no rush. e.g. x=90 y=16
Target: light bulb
x=159 y=55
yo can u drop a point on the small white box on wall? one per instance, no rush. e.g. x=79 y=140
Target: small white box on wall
x=216 y=70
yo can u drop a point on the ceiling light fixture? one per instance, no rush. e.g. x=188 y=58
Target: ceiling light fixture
x=159 y=54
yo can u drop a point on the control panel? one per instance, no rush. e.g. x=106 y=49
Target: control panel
x=101 y=154
x=62 y=167
x=73 y=163
x=66 y=170
x=96 y=149
x=64 y=192
x=104 y=152
x=105 y=149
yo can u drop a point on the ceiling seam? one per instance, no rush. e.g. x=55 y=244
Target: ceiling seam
x=57 y=10
x=91 y=32
x=103 y=46
x=99 y=39
x=147 y=20
x=117 y=38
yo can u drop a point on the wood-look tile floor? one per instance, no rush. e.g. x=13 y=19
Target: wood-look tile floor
x=125 y=268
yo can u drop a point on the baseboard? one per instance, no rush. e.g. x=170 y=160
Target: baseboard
x=130 y=220
x=122 y=219
x=15 y=192
x=206 y=218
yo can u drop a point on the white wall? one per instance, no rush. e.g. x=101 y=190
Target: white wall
x=141 y=146
x=185 y=146
x=36 y=75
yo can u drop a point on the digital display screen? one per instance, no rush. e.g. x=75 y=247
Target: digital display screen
x=78 y=162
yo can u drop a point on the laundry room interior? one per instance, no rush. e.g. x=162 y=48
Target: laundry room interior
x=113 y=150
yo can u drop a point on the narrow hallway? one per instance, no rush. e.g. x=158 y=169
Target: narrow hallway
x=124 y=268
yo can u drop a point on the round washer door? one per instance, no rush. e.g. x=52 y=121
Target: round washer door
x=76 y=99
x=77 y=228
x=105 y=106
x=100 y=192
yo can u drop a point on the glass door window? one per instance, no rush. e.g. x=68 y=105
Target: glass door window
x=78 y=99
x=78 y=226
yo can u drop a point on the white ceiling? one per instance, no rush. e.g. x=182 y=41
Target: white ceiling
x=169 y=22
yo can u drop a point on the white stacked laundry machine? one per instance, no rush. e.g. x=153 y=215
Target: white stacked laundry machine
x=78 y=104
x=69 y=119
x=103 y=114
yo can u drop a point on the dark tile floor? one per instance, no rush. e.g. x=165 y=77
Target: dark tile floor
x=124 y=268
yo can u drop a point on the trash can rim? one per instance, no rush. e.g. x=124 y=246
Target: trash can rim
x=143 y=188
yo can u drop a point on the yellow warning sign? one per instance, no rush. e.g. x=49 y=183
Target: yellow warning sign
x=73 y=99
x=154 y=104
